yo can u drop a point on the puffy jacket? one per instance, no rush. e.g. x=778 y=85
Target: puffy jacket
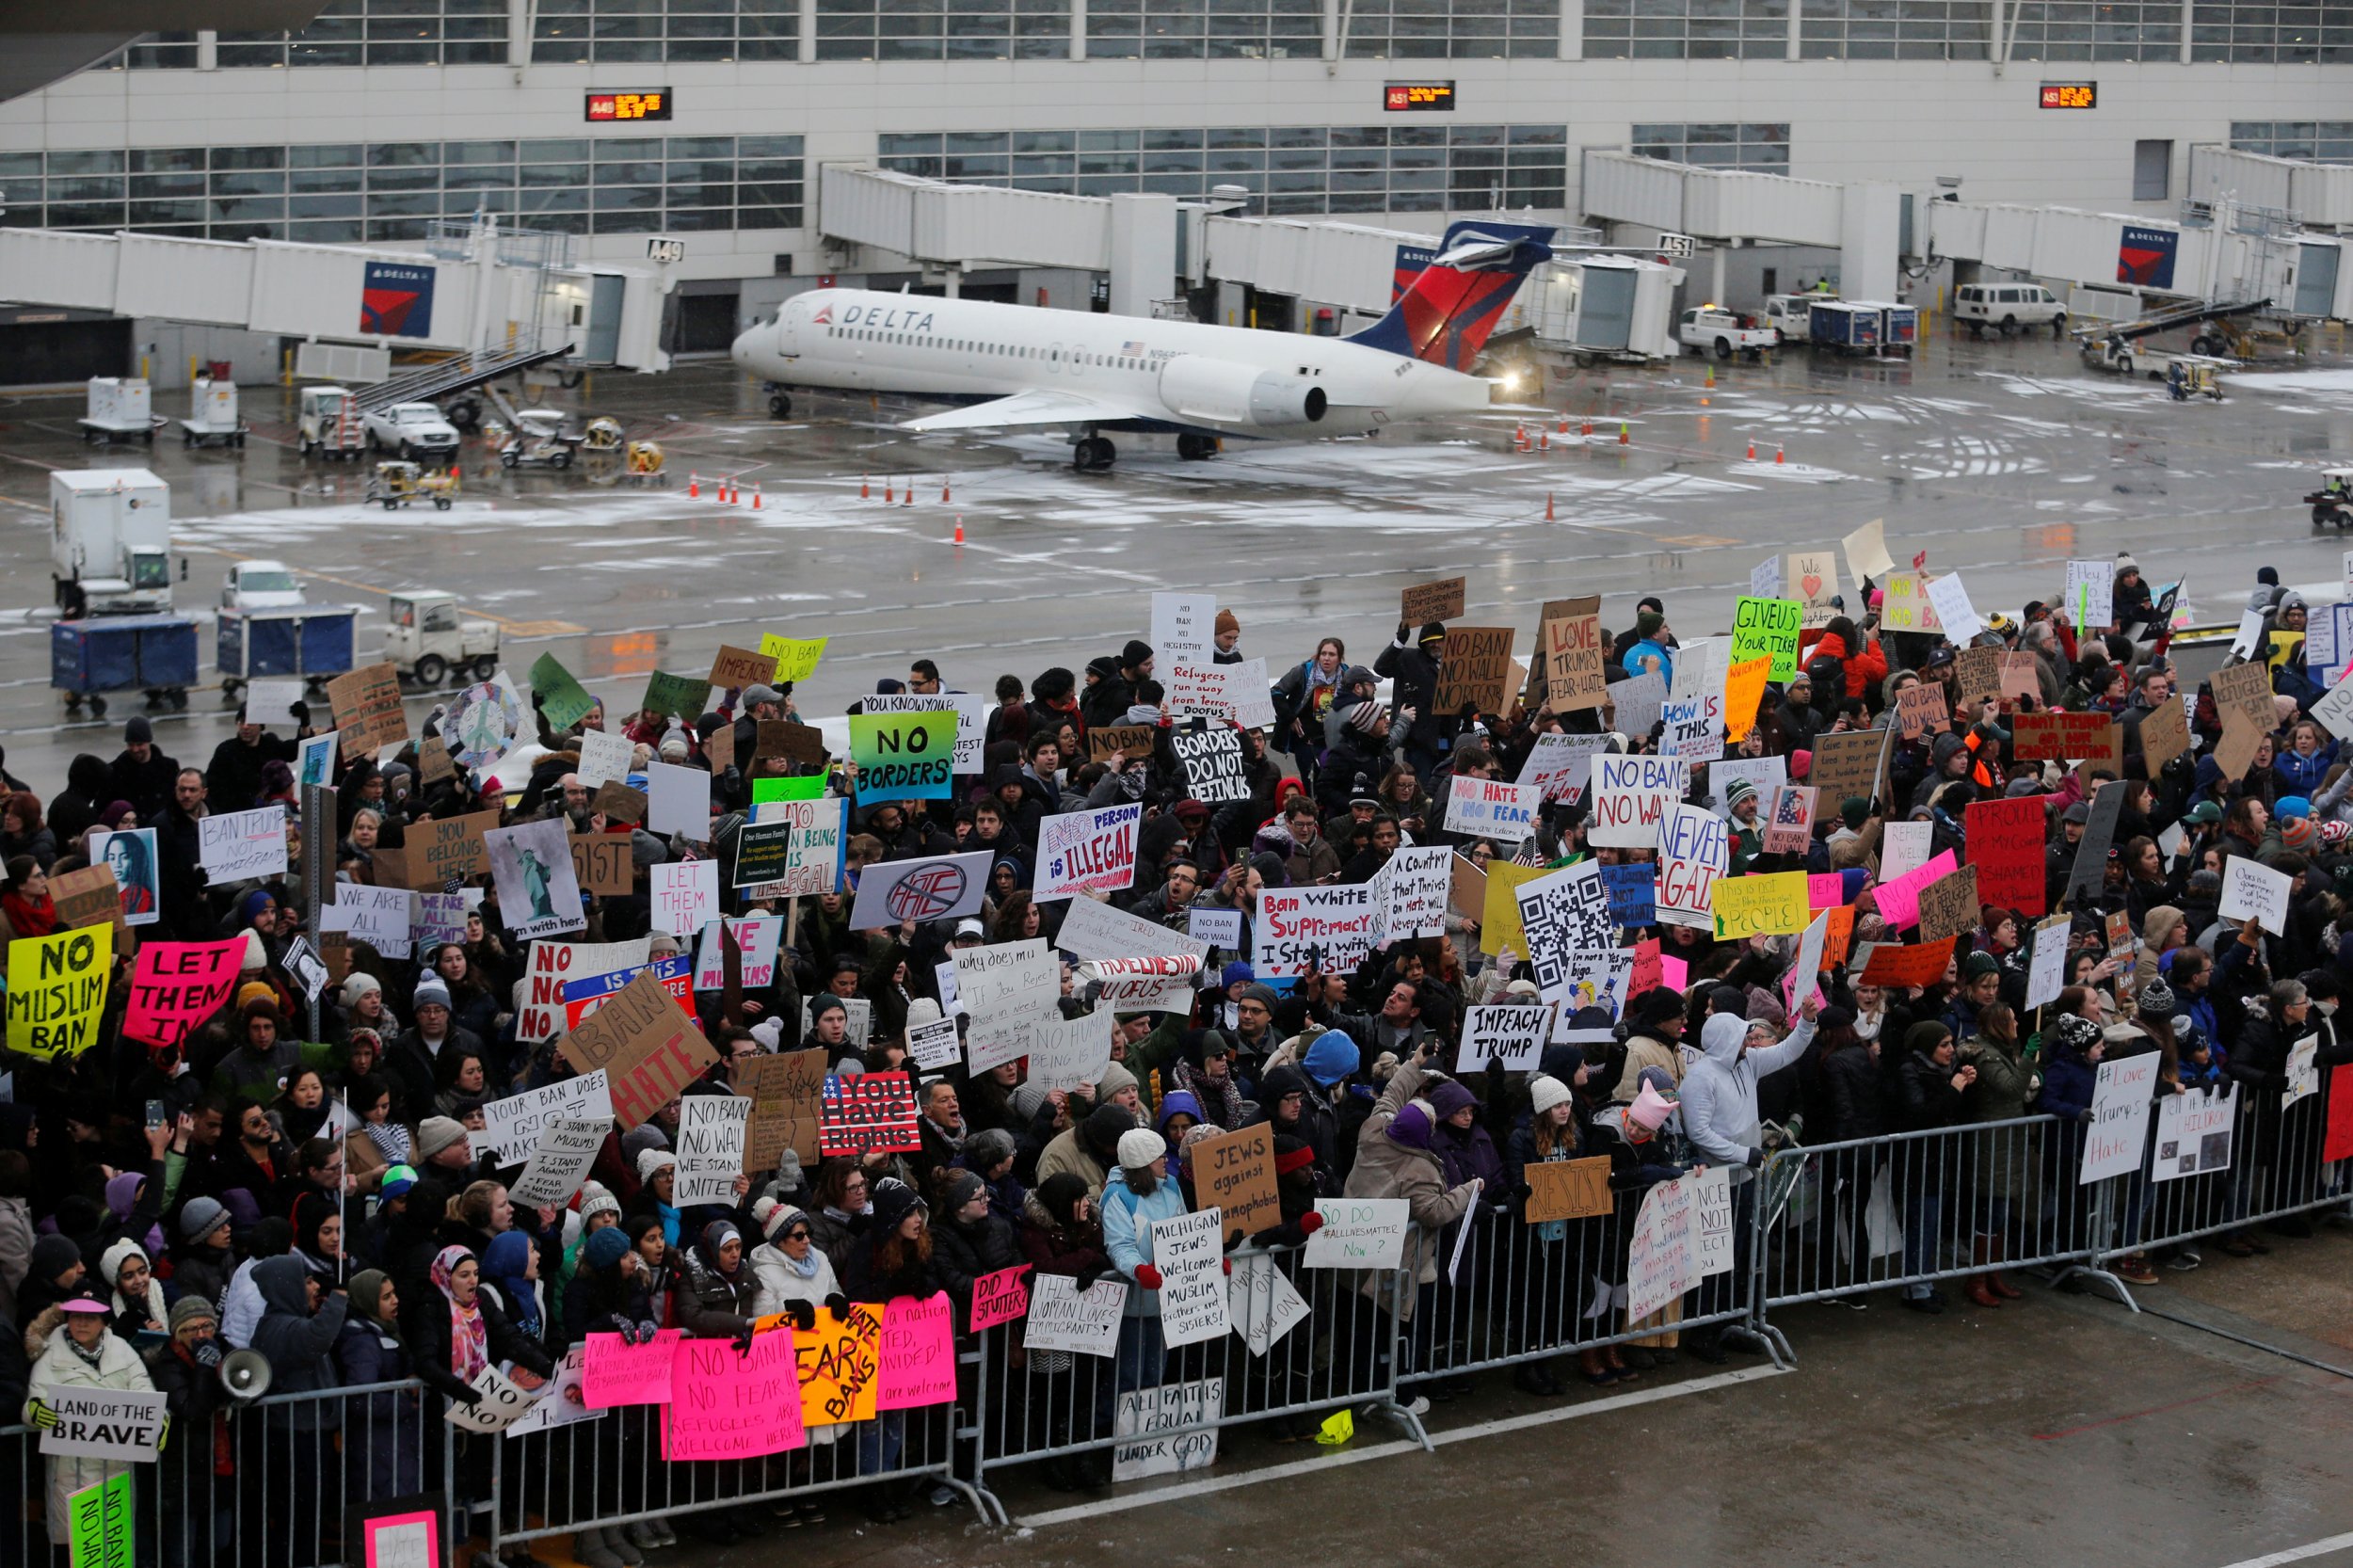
x=1127 y=1219
x=62 y=1367
x=1405 y=1168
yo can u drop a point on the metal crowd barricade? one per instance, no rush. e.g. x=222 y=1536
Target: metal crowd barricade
x=1055 y=1406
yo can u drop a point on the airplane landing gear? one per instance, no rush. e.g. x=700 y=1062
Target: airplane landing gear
x=1196 y=448
x=1093 y=455
x=779 y=406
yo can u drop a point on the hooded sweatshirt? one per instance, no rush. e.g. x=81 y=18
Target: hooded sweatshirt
x=1719 y=1094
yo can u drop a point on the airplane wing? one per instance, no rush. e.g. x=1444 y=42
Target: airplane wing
x=1035 y=406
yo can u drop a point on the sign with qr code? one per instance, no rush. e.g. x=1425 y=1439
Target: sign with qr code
x=875 y=1111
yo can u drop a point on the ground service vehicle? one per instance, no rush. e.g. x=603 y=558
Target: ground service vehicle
x=1714 y=330
x=428 y=638
x=110 y=542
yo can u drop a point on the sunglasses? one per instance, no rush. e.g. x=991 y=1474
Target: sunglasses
x=798 y=1234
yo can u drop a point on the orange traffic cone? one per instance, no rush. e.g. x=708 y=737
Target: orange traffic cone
x=907 y=498
x=1624 y=437
x=889 y=494
x=755 y=498
x=1752 y=452
x=959 y=528
x=1777 y=456
x=1564 y=424
x=694 y=486
x=1588 y=428
x=1711 y=377
x=1543 y=440
x=865 y=490
x=1519 y=437
x=943 y=492
x=1547 y=505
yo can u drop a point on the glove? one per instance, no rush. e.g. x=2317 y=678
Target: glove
x=468 y=1396
x=1404 y=635
x=646 y=1331
x=1085 y=1279
x=163 y=1432
x=839 y=1304
x=744 y=1340
x=1756 y=1158
x=1146 y=1276
x=44 y=1416
x=802 y=1314
x=208 y=1354
x=1310 y=1223
x=1226 y=1264
x=1235 y=1241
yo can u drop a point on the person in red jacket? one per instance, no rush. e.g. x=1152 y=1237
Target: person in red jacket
x=1859 y=651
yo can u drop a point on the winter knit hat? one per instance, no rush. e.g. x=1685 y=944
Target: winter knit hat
x=432 y=991
x=1544 y=1092
x=1743 y=788
x=200 y=1218
x=1139 y=1147
x=605 y=1248
x=1226 y=622
x=1332 y=1057
x=594 y=1199
x=438 y=1133
x=651 y=1161
x=2297 y=833
x=1650 y=1109
x=358 y=984
x=774 y=1217
x=192 y=1309
x=2157 y=999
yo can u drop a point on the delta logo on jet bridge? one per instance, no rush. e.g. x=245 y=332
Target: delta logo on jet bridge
x=396 y=300
x=876 y=317
x=2145 y=256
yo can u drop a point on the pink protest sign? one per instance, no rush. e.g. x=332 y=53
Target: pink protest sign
x=1900 y=900
x=1827 y=890
x=1000 y=1298
x=730 y=1404
x=919 y=1353
x=613 y=1373
x=1675 y=973
x=177 y=985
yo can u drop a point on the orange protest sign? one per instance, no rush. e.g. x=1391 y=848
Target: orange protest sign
x=1744 y=688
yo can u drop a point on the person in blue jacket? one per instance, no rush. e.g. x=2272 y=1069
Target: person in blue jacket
x=1135 y=1195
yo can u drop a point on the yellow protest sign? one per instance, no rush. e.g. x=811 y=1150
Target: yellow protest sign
x=1500 y=920
x=57 y=990
x=1769 y=906
x=796 y=657
x=1744 y=688
x=840 y=1365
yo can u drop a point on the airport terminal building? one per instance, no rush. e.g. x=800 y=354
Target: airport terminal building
x=708 y=120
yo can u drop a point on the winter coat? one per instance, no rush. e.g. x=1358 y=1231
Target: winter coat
x=779 y=1285
x=1386 y=1168
x=1053 y=1249
x=1127 y=1219
x=16 y=1251
x=961 y=1254
x=1720 y=1113
x=426 y=1328
x=713 y=1307
x=62 y=1367
x=1858 y=1108
x=379 y=1457
x=2005 y=1087
x=297 y=1341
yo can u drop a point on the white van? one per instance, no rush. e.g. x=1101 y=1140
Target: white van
x=2007 y=307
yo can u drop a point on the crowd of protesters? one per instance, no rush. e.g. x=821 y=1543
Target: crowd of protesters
x=319 y=1193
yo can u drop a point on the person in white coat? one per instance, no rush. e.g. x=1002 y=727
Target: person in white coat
x=84 y=1356
x=796 y=1278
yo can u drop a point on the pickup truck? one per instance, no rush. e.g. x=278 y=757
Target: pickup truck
x=413 y=430
x=1723 y=333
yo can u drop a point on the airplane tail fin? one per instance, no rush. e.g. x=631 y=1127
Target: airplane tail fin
x=1444 y=315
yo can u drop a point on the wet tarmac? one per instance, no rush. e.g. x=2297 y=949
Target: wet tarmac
x=1999 y=459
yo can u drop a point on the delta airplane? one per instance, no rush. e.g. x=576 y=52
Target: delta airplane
x=1019 y=366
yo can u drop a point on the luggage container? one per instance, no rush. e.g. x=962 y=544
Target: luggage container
x=153 y=654
x=212 y=414
x=120 y=408
x=308 y=641
x=1845 y=326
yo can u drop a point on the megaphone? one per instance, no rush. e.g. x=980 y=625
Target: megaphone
x=246 y=1375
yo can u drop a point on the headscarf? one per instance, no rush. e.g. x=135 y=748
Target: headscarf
x=717 y=1234
x=365 y=1291
x=469 y=1335
x=122 y=1195
x=503 y=1262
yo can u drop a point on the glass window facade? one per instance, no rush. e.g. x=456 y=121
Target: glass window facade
x=1290 y=170
x=622 y=32
x=2328 y=141
x=1686 y=29
x=942 y=29
x=2271 y=35
x=1897 y=29
x=348 y=192
x=1453 y=29
x=380 y=32
x=2082 y=30
x=1754 y=149
x=1205 y=29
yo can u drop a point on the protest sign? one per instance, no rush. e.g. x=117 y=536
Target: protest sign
x=561 y=1162
x=1976 y=678
x=1920 y=710
x=1234 y=693
x=762 y=850
x=2303 y=1071
x=1756 y=906
x=1866 y=553
x=680 y=696
x=130 y=855
x=2337 y=1137
x=757 y=939
x=1572 y=651
x=739 y=667
x=1633 y=892
x=1441 y=600
x=1183 y=627
x=1005 y=987
x=1711 y=1236
x=560 y=1405
x=1331 y=927
x=1904 y=847
x=380 y=916
x=1261 y=1300
x=604 y=758
x=57 y=990
x=674 y=971
x=512 y=1126
x=944 y=887
x=999 y=1298
x=555 y=964
x=1412 y=892
x=102 y=1528
x=1212 y=761
x=2005 y=843
x=1233 y=1174
x=1567 y=1190
x=2165 y=735
x=1358 y=1233
x=2022 y=678
x=1634 y=702
x=368 y=716
x=2089 y=599
x=2253 y=891
x=177 y=985
x=1513 y=1033
x=2194 y=1134
x=916 y=1356
x=1476 y=669
x=711 y=1141
x=1561 y=766
x=875 y=1111
x=1766 y=773
x=102 y=1423
x=1108 y=742
x=2119 y=1117
x=785 y=1091
x=1217 y=927
x=1951 y=599
x=1851 y=763
x=1499 y=917
x=238 y=847
x=1788 y=820
x=1170 y=1429
x=1694 y=851
x=1562 y=912
x=483 y=722
x=796 y=657
x=730 y=1403
x=1769 y=629
x=1070 y=1053
x=685 y=895
x=1898 y=896
x=649 y=1054
x=1662 y=1259
x=813 y=854
x=2048 y=972
x=1812 y=576
x=1061 y=1317
x=2062 y=736
x=840 y=1364
x=443 y=850
x=564 y=702
x=904 y=756
x=601 y=864
x=1948 y=905
x=1744 y=693
x=1630 y=798
x=791 y=740
x=1163 y=983
x=1765 y=578
x=1091 y=929
x=1892 y=964
x=86 y=897
x=531 y=864
x=437 y=919
x=678 y=800
x=1187 y=1249
x=1907 y=607
x=1490 y=809
x=2089 y=871
x=1086 y=851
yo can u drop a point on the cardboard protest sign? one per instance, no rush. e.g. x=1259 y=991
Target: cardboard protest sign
x=1811 y=576
x=1234 y=1172
x=1976 y=676
x=237 y=846
x=1189 y=1252
x=1789 y=820
x=727 y=1403
x=1476 y=669
x=1109 y=741
x=602 y=865
x=1086 y=851
x=648 y=1051
x=786 y=1089
x=1333 y=927
x=2060 y=736
x=1567 y=1190
x=2251 y=892
x=57 y=990
x=739 y=667
x=368 y=716
x=120 y=1424
x=531 y=863
x=177 y=985
x=1358 y=1233
x=1754 y=905
x=2164 y=735
x=1572 y=652
x=568 y=1149
x=944 y=887
x=916 y=1357
x=904 y=756
x=1213 y=763
x=874 y=1112
x=1920 y=710
x=1948 y=905
x=1513 y=1033
x=1767 y=628
x=86 y=897
x=443 y=850
x=1441 y=600
x=1866 y=552
x=512 y=1126
x=999 y=1298
x=1084 y=1322
x=2021 y=676
x=2119 y=1117
x=2005 y=843
x=1490 y=809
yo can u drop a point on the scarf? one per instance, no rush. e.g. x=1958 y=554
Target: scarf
x=27 y=918
x=469 y=1335
x=94 y=1357
x=803 y=1268
x=391 y=1140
